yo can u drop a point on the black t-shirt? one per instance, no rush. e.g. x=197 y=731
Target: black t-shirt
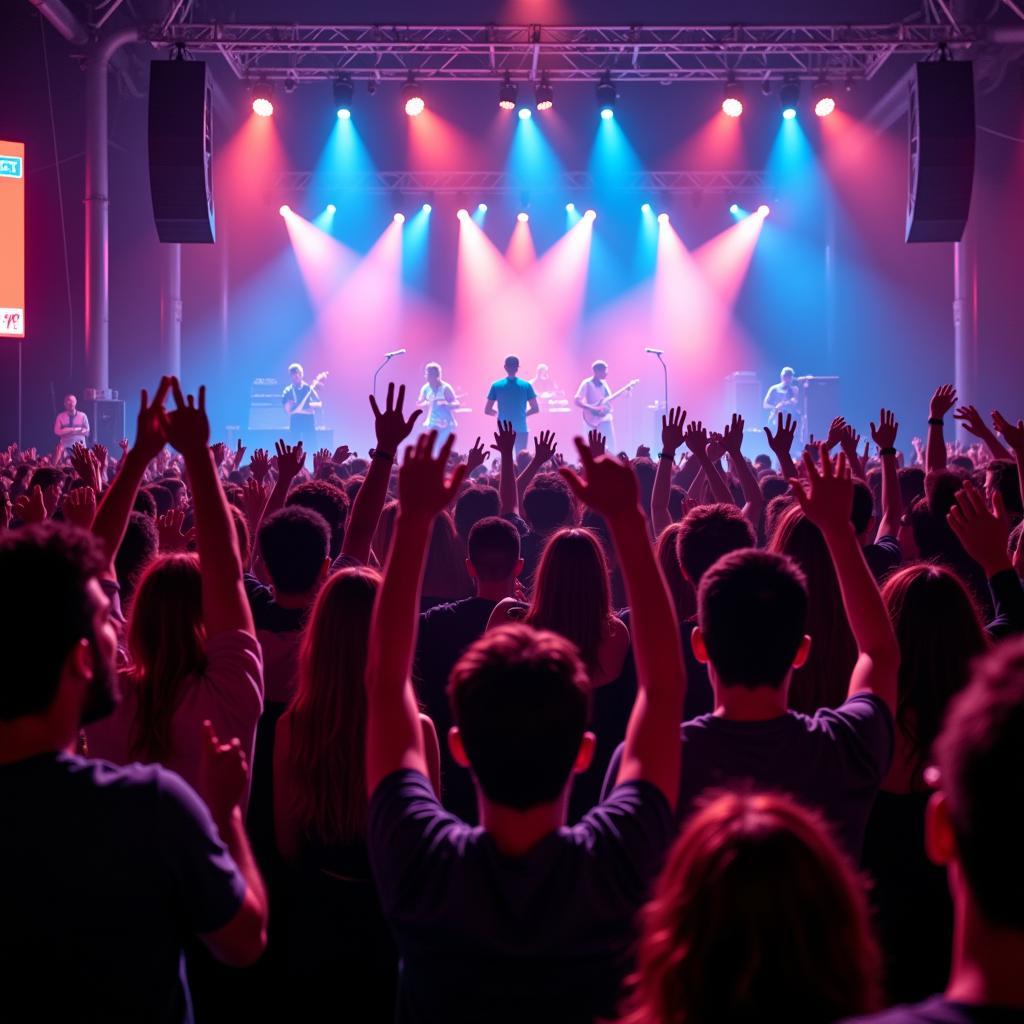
x=487 y=937
x=883 y=556
x=938 y=1010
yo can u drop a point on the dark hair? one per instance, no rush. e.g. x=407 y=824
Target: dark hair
x=445 y=575
x=493 y=549
x=1006 y=480
x=46 y=476
x=980 y=754
x=174 y=484
x=521 y=699
x=548 y=504
x=141 y=544
x=676 y=502
x=45 y=608
x=475 y=503
x=645 y=471
x=683 y=594
x=757 y=912
x=162 y=497
x=774 y=511
x=708 y=532
x=327 y=499
x=911 y=480
x=352 y=486
x=752 y=610
x=145 y=503
x=511 y=361
x=863 y=507
x=294 y=543
x=772 y=485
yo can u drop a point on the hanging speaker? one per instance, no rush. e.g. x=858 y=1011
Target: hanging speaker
x=941 y=150
x=180 y=151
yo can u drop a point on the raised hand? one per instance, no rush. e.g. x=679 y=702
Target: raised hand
x=186 y=425
x=475 y=457
x=596 y=442
x=972 y=420
x=781 y=442
x=223 y=773
x=79 y=507
x=942 y=401
x=984 y=533
x=642 y=452
x=696 y=439
x=239 y=454
x=289 y=460
x=1013 y=435
x=884 y=435
x=102 y=456
x=732 y=436
x=123 y=445
x=219 y=449
x=321 y=458
x=504 y=438
x=341 y=453
x=259 y=465
x=608 y=486
x=827 y=500
x=86 y=465
x=254 y=500
x=422 y=487
x=30 y=508
x=544 y=446
x=391 y=426
x=835 y=432
x=715 y=447
x=672 y=430
x=168 y=528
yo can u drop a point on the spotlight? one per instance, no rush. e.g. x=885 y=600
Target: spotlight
x=734 y=208
x=262 y=99
x=284 y=210
x=508 y=93
x=525 y=113
x=662 y=218
x=522 y=217
x=412 y=97
x=343 y=90
x=606 y=96
x=331 y=208
x=763 y=211
x=544 y=94
x=570 y=207
x=789 y=96
x=645 y=208
x=824 y=99
x=399 y=218
x=590 y=215
x=427 y=207
x=481 y=207
x=732 y=99
x=462 y=214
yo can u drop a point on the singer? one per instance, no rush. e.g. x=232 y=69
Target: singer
x=438 y=398
x=515 y=400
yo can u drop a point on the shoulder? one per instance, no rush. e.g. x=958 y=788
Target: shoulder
x=635 y=819
x=505 y=611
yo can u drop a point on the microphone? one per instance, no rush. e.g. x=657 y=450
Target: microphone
x=397 y=352
x=655 y=351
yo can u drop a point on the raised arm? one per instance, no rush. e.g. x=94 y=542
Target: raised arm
x=391 y=428
x=504 y=444
x=544 y=448
x=732 y=439
x=781 y=443
x=652 y=745
x=849 y=441
x=533 y=407
x=827 y=501
x=394 y=735
x=671 y=441
x=973 y=423
x=884 y=435
x=225 y=606
x=290 y=461
x=696 y=438
x=935 y=447
x=1015 y=439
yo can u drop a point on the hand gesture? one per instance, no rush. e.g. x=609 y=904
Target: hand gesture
x=150 y=430
x=254 y=500
x=259 y=465
x=828 y=500
x=984 y=534
x=168 y=528
x=732 y=436
x=504 y=438
x=422 y=488
x=715 y=447
x=223 y=773
x=849 y=439
x=835 y=432
x=102 y=456
x=30 y=508
x=1013 y=435
x=289 y=460
x=672 y=430
x=86 y=465
x=239 y=454
x=884 y=435
x=79 y=507
x=321 y=458
x=608 y=485
x=475 y=457
x=642 y=452
x=696 y=439
x=942 y=401
x=341 y=453
x=123 y=445
x=972 y=421
x=781 y=442
x=544 y=446
x=186 y=426
x=219 y=448
x=391 y=425
x=596 y=442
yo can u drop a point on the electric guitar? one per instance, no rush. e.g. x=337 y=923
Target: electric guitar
x=595 y=417
x=313 y=385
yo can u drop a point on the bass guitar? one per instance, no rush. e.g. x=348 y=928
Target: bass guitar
x=313 y=385
x=595 y=417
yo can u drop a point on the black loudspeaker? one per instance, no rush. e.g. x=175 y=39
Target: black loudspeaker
x=743 y=394
x=821 y=400
x=180 y=151
x=941 y=150
x=106 y=418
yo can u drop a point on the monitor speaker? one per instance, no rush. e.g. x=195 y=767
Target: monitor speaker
x=941 y=150
x=106 y=418
x=180 y=151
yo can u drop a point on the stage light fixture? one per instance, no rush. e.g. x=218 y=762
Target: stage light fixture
x=607 y=94
x=343 y=92
x=331 y=208
x=732 y=99
x=481 y=207
x=824 y=99
x=590 y=215
x=645 y=208
x=734 y=208
x=522 y=217
x=462 y=214
x=508 y=94
x=427 y=207
x=662 y=218
x=399 y=218
x=763 y=210
x=570 y=207
x=284 y=210
x=544 y=95
x=412 y=97
x=262 y=99
x=789 y=97
x=525 y=113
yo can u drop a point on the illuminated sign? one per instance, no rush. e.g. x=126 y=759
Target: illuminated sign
x=12 y=239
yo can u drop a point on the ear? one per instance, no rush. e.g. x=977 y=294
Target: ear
x=79 y=661
x=519 y=568
x=588 y=744
x=470 y=570
x=939 y=841
x=458 y=751
x=803 y=652
x=325 y=568
x=700 y=650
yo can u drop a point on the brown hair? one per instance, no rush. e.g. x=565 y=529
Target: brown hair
x=684 y=597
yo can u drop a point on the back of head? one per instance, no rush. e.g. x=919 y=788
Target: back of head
x=145 y=503
x=863 y=507
x=46 y=476
x=548 y=504
x=752 y=610
x=645 y=472
x=980 y=756
x=911 y=480
x=1001 y=475
x=46 y=610
x=328 y=713
x=493 y=549
x=475 y=503
x=327 y=499
x=162 y=498
x=294 y=543
x=709 y=532
x=140 y=546
x=939 y=631
x=521 y=700
x=445 y=573
x=681 y=589
x=756 y=913
x=772 y=486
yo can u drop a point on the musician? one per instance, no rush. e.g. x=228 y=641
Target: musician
x=515 y=400
x=438 y=398
x=783 y=397
x=592 y=396
x=71 y=426
x=301 y=402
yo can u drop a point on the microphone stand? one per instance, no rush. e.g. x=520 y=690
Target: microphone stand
x=387 y=359
x=664 y=370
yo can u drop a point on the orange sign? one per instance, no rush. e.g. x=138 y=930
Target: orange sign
x=12 y=239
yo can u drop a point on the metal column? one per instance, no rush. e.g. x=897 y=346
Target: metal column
x=170 y=311
x=965 y=323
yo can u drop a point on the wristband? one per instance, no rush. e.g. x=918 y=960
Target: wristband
x=935 y=421
x=386 y=456
x=886 y=451
x=671 y=456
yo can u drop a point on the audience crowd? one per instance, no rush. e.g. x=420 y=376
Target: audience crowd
x=438 y=737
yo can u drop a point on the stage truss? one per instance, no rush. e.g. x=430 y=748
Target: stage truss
x=474 y=53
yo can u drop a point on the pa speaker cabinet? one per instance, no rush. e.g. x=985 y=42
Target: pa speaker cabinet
x=180 y=151
x=941 y=150
x=743 y=395
x=106 y=417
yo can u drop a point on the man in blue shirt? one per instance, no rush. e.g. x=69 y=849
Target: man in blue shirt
x=515 y=400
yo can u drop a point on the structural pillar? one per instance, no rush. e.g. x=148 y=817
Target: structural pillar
x=170 y=311
x=965 y=323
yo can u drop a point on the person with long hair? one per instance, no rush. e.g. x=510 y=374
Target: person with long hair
x=335 y=935
x=757 y=916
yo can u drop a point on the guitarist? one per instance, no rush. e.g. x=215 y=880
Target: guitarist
x=300 y=400
x=592 y=397
x=783 y=397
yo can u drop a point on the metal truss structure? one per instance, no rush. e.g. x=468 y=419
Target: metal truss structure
x=473 y=184
x=469 y=53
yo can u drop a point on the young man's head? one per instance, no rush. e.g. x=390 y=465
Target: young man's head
x=548 y=504
x=475 y=503
x=600 y=368
x=512 y=365
x=52 y=483
x=62 y=666
x=295 y=545
x=1001 y=475
x=141 y=544
x=296 y=371
x=493 y=553
x=706 y=534
x=520 y=701
x=787 y=375
x=327 y=499
x=433 y=371
x=751 y=612
x=862 y=515
x=973 y=822
x=70 y=404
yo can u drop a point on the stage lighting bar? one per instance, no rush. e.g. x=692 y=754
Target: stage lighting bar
x=412 y=97
x=508 y=94
x=607 y=94
x=343 y=91
x=263 y=99
x=544 y=95
x=824 y=99
x=789 y=97
x=732 y=99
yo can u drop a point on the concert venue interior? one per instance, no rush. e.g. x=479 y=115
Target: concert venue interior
x=632 y=213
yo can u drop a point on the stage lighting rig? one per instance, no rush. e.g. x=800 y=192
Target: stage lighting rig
x=789 y=97
x=343 y=92
x=607 y=94
x=263 y=99
x=508 y=94
x=544 y=94
x=732 y=99
x=412 y=97
x=824 y=98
